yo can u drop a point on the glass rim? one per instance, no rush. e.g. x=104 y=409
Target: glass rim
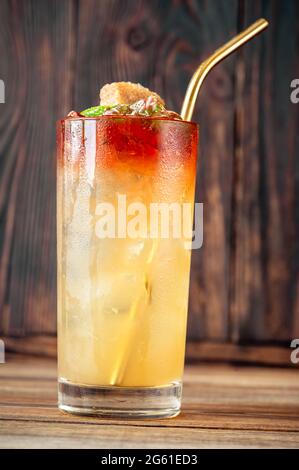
x=128 y=116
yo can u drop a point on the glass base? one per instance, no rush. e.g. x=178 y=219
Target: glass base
x=120 y=402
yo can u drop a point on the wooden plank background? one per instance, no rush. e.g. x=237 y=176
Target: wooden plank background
x=223 y=406
x=56 y=54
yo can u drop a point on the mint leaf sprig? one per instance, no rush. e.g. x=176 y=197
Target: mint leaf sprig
x=95 y=111
x=146 y=108
x=142 y=107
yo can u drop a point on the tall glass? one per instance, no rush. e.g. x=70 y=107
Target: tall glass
x=123 y=281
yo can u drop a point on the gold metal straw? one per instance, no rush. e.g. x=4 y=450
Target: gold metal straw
x=220 y=54
x=119 y=370
x=186 y=113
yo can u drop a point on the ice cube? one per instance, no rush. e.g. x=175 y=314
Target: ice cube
x=118 y=293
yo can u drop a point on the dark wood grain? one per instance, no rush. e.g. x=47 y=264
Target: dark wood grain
x=264 y=278
x=36 y=65
x=223 y=406
x=203 y=351
x=209 y=294
x=56 y=54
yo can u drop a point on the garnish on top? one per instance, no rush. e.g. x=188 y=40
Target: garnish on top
x=128 y=99
x=126 y=93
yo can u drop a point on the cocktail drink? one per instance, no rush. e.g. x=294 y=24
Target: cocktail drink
x=124 y=204
x=125 y=175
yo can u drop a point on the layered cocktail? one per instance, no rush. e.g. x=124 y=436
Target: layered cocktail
x=125 y=193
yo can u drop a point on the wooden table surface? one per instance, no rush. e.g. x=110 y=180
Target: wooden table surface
x=224 y=406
